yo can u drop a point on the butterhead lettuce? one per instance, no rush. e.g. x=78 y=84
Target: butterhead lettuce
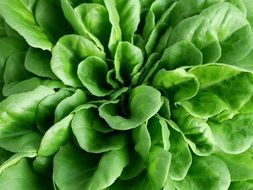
x=126 y=94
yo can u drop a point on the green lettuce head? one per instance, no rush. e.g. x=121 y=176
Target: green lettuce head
x=126 y=94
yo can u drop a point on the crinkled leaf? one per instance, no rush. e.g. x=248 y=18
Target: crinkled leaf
x=92 y=73
x=84 y=126
x=67 y=105
x=55 y=137
x=178 y=84
x=235 y=135
x=158 y=166
x=149 y=101
x=21 y=108
x=214 y=175
x=68 y=52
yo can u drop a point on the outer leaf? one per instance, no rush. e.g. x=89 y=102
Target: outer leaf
x=245 y=185
x=81 y=165
x=17 y=14
x=198 y=30
x=142 y=141
x=38 y=62
x=181 y=156
x=84 y=124
x=55 y=137
x=52 y=21
x=158 y=166
x=214 y=175
x=240 y=166
x=68 y=53
x=196 y=131
x=149 y=101
x=24 y=109
x=20 y=176
x=204 y=105
x=182 y=53
x=232 y=30
x=235 y=135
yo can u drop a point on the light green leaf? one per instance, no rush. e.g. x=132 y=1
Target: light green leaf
x=128 y=61
x=20 y=176
x=199 y=31
x=55 y=137
x=178 y=84
x=21 y=108
x=182 y=53
x=233 y=31
x=149 y=101
x=142 y=141
x=88 y=172
x=245 y=185
x=196 y=131
x=19 y=139
x=181 y=156
x=158 y=166
x=214 y=175
x=124 y=17
x=204 y=105
x=92 y=73
x=68 y=52
x=84 y=124
x=240 y=165
x=17 y=14
x=67 y=105
x=235 y=135
x=38 y=62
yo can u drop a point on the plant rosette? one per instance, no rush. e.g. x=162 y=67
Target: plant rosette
x=135 y=95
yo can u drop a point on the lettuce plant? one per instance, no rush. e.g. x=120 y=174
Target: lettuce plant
x=126 y=94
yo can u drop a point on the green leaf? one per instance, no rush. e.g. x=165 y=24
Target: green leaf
x=199 y=31
x=20 y=176
x=88 y=172
x=149 y=101
x=17 y=14
x=24 y=108
x=158 y=166
x=51 y=21
x=178 y=84
x=214 y=175
x=92 y=73
x=19 y=139
x=46 y=109
x=68 y=52
x=204 y=105
x=182 y=53
x=84 y=126
x=181 y=156
x=55 y=137
x=67 y=105
x=223 y=80
x=233 y=31
x=245 y=185
x=196 y=131
x=142 y=141
x=124 y=17
x=99 y=29
x=235 y=135
x=38 y=63
x=240 y=165
x=128 y=61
